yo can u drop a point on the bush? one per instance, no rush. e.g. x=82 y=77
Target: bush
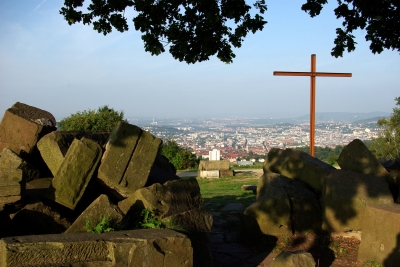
x=104 y=119
x=180 y=157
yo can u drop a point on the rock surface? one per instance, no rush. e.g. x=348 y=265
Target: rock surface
x=156 y=248
x=296 y=164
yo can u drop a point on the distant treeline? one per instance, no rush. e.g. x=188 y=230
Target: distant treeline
x=326 y=154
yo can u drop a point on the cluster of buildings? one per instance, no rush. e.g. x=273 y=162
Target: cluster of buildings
x=236 y=139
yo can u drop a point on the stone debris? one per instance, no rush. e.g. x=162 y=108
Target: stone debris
x=127 y=160
x=86 y=174
x=358 y=198
x=357 y=157
x=296 y=164
x=19 y=129
x=100 y=209
x=54 y=146
x=151 y=247
x=214 y=169
x=75 y=172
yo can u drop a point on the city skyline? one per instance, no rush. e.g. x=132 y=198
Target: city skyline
x=65 y=69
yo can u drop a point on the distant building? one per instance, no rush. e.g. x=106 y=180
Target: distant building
x=245 y=163
x=215 y=154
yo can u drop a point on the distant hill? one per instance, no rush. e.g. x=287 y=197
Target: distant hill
x=345 y=117
x=371 y=120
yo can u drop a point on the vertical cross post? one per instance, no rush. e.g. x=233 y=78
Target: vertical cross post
x=313 y=73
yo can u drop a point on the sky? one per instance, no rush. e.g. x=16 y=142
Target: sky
x=64 y=69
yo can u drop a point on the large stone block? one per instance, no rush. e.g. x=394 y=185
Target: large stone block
x=296 y=164
x=10 y=160
x=127 y=160
x=12 y=186
x=75 y=172
x=284 y=202
x=356 y=157
x=166 y=199
x=210 y=165
x=380 y=238
x=194 y=220
x=143 y=157
x=22 y=126
x=153 y=247
x=40 y=217
x=208 y=174
x=38 y=188
x=101 y=207
x=270 y=215
x=54 y=146
x=345 y=197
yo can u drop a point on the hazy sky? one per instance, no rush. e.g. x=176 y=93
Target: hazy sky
x=63 y=69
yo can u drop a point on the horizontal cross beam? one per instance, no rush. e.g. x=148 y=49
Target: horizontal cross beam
x=312 y=74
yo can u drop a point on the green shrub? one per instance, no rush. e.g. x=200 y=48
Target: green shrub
x=180 y=157
x=148 y=221
x=102 y=227
x=104 y=119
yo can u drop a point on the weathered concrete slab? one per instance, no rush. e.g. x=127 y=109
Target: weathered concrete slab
x=208 y=174
x=296 y=164
x=165 y=200
x=356 y=157
x=22 y=126
x=75 y=172
x=101 y=207
x=127 y=160
x=380 y=238
x=211 y=165
x=293 y=259
x=153 y=247
x=54 y=146
x=10 y=160
x=345 y=197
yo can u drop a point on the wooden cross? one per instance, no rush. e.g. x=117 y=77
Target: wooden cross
x=312 y=74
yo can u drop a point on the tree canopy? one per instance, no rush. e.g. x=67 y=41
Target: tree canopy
x=387 y=145
x=380 y=19
x=193 y=30
x=196 y=30
x=180 y=157
x=104 y=119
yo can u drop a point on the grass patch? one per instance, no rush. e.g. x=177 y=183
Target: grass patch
x=222 y=191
